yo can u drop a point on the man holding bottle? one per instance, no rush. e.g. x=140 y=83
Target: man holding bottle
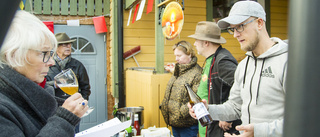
x=258 y=93
x=217 y=74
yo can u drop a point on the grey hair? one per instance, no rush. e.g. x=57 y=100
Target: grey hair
x=26 y=32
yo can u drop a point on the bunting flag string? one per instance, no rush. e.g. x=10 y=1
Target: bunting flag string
x=100 y=24
x=61 y=21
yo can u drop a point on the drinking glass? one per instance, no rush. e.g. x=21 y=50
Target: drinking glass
x=68 y=83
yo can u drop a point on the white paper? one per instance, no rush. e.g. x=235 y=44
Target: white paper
x=106 y=129
x=155 y=132
x=73 y=23
x=129 y=17
x=143 y=2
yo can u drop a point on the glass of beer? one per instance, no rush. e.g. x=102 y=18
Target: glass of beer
x=68 y=83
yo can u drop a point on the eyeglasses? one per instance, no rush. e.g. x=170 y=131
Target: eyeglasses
x=65 y=44
x=46 y=55
x=239 y=28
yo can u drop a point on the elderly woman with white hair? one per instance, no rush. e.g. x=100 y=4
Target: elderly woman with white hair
x=27 y=109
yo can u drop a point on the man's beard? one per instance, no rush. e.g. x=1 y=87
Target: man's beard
x=252 y=45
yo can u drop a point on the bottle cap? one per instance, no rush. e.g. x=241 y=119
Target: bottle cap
x=136 y=117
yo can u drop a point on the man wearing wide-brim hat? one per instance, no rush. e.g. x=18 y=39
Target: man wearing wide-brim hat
x=259 y=90
x=63 y=60
x=217 y=74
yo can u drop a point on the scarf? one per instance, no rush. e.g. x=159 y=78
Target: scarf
x=62 y=63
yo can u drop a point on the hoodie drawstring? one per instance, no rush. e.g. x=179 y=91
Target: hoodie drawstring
x=245 y=72
x=259 y=81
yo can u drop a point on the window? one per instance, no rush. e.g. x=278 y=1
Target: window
x=220 y=9
x=82 y=46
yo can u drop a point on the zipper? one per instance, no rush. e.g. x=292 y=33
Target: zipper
x=255 y=68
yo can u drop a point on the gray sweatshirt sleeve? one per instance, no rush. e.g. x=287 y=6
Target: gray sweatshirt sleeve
x=273 y=129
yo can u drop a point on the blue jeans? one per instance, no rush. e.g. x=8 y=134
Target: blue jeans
x=185 y=131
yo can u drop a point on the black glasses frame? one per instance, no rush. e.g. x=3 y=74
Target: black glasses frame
x=239 y=28
x=44 y=53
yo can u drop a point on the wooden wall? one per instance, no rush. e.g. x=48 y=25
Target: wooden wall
x=146 y=89
x=279 y=18
x=142 y=32
x=68 y=7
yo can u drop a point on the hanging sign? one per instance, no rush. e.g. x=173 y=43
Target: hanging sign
x=172 y=20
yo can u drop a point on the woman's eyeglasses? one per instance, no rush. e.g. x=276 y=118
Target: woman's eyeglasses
x=46 y=55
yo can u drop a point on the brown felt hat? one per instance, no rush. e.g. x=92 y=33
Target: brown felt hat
x=208 y=31
x=63 y=38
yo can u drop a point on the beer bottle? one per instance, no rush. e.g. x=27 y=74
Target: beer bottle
x=199 y=109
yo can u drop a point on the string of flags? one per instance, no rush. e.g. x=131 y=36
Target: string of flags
x=99 y=23
x=139 y=10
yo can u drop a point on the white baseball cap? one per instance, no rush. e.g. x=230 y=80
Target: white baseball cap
x=241 y=11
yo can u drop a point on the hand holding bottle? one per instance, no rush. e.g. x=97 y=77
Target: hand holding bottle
x=200 y=110
x=191 y=111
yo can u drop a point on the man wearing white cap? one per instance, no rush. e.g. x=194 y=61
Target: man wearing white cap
x=258 y=93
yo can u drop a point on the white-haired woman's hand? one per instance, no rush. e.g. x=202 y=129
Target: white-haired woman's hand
x=76 y=104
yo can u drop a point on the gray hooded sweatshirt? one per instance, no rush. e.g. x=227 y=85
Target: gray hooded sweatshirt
x=258 y=93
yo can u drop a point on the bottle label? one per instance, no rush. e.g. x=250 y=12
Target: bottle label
x=200 y=110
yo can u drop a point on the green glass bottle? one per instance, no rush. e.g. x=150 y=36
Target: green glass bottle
x=199 y=109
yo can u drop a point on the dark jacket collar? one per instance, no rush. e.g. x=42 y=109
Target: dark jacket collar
x=27 y=93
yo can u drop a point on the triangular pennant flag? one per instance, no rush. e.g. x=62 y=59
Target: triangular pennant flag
x=75 y=23
x=100 y=24
x=129 y=17
x=22 y=3
x=150 y=5
x=135 y=13
x=143 y=2
x=49 y=24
